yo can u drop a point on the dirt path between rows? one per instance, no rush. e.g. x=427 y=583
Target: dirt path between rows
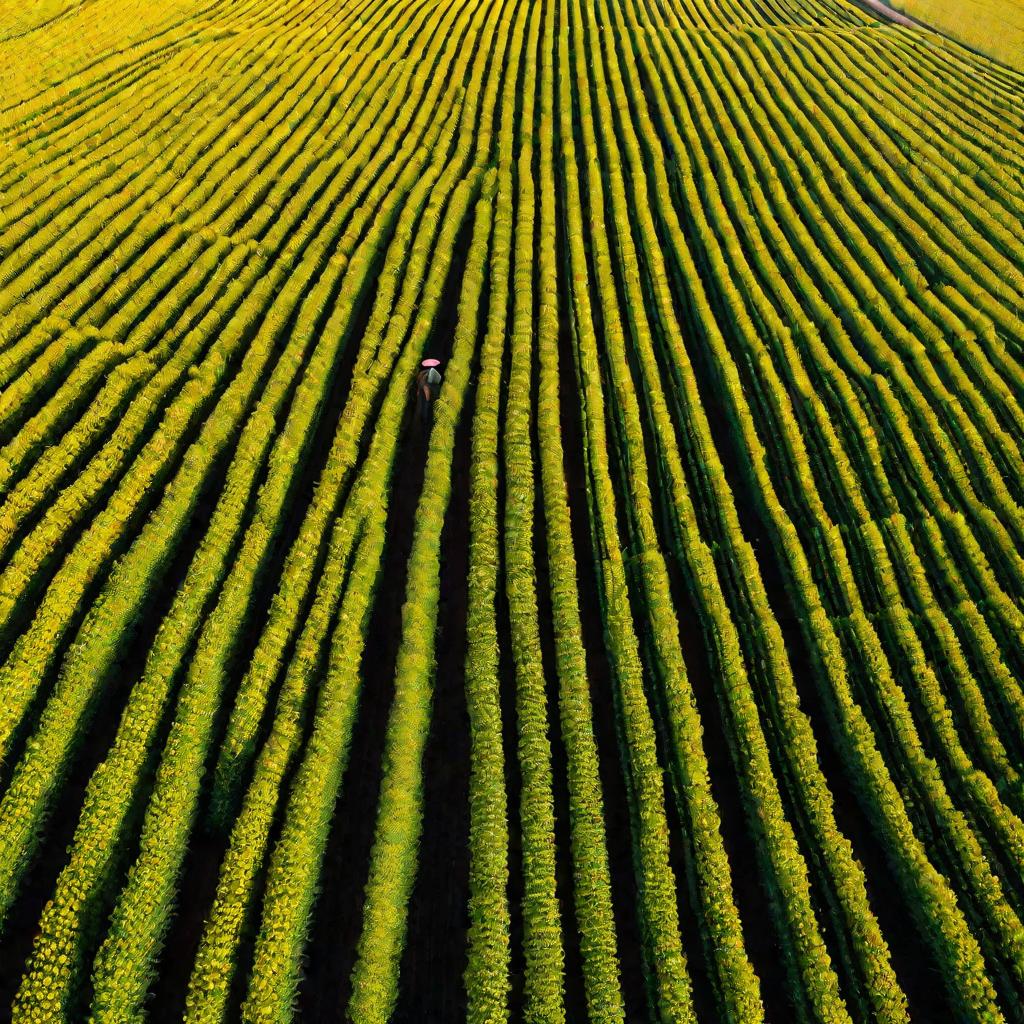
x=890 y=14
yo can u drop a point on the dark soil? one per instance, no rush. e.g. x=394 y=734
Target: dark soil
x=435 y=952
x=337 y=915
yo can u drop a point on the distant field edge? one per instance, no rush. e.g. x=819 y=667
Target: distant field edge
x=994 y=28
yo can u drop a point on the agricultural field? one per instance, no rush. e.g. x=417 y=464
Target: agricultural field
x=666 y=665
x=993 y=27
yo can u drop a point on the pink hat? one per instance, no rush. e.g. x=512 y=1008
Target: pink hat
x=431 y=362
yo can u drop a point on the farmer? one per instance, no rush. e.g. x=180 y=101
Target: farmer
x=428 y=382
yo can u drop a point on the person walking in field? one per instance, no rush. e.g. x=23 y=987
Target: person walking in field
x=428 y=383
